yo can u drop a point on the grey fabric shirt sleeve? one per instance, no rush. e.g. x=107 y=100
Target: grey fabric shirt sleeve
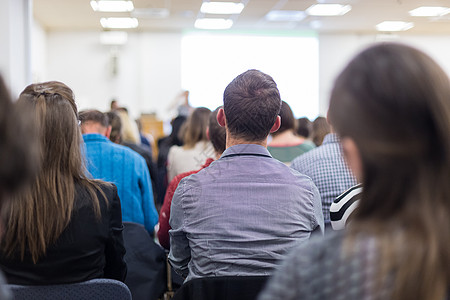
x=317 y=206
x=180 y=253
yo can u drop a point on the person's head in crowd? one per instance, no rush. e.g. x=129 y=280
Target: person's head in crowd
x=94 y=121
x=320 y=128
x=391 y=108
x=288 y=121
x=177 y=124
x=116 y=127
x=304 y=127
x=196 y=124
x=216 y=133
x=19 y=156
x=114 y=105
x=37 y=215
x=251 y=103
x=130 y=132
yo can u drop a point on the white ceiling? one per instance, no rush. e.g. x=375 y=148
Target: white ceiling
x=365 y=14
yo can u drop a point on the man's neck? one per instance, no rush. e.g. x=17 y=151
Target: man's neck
x=232 y=141
x=93 y=128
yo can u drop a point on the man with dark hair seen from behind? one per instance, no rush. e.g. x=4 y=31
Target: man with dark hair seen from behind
x=240 y=216
x=120 y=165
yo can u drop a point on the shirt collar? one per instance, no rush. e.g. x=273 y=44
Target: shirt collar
x=331 y=138
x=246 y=149
x=94 y=137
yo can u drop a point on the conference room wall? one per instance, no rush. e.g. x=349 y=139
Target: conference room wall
x=148 y=71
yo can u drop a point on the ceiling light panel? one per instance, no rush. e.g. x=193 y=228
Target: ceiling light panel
x=429 y=11
x=394 y=26
x=121 y=23
x=223 y=8
x=208 y=23
x=328 y=10
x=285 y=16
x=112 y=6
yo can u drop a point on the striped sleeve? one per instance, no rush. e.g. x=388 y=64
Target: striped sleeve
x=343 y=206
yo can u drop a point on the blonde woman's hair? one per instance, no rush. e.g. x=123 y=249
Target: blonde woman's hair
x=130 y=131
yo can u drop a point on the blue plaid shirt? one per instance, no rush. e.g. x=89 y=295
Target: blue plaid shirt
x=326 y=167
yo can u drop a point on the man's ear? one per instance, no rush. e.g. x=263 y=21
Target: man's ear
x=221 y=118
x=276 y=125
x=352 y=157
x=108 y=132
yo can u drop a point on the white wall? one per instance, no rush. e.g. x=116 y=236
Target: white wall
x=149 y=66
x=335 y=51
x=146 y=77
x=15 y=27
x=38 y=53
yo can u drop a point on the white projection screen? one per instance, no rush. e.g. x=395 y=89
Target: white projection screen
x=210 y=61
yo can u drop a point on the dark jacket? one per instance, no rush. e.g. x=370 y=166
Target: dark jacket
x=88 y=248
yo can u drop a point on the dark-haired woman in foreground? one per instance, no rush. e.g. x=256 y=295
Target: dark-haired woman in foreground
x=391 y=107
x=63 y=227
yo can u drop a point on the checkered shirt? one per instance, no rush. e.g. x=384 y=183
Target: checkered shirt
x=326 y=167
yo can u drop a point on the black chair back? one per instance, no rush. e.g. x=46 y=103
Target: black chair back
x=222 y=288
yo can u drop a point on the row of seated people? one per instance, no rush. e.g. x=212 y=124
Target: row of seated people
x=248 y=214
x=187 y=147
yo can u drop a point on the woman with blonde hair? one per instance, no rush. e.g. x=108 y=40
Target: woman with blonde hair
x=196 y=148
x=63 y=227
x=391 y=108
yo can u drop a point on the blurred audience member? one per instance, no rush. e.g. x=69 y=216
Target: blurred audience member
x=240 y=215
x=304 y=127
x=19 y=155
x=327 y=168
x=129 y=132
x=217 y=136
x=320 y=128
x=147 y=139
x=391 y=107
x=63 y=227
x=164 y=145
x=121 y=166
x=114 y=105
x=19 y=159
x=285 y=144
x=196 y=148
x=115 y=136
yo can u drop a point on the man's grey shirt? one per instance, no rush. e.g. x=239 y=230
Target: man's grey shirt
x=241 y=215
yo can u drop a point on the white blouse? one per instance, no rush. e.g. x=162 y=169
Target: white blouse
x=182 y=160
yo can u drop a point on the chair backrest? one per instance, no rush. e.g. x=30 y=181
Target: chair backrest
x=94 y=289
x=222 y=288
x=146 y=263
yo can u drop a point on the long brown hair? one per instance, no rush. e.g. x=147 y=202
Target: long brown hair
x=196 y=124
x=393 y=101
x=37 y=216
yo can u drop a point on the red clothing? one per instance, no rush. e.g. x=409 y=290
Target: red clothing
x=164 y=214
